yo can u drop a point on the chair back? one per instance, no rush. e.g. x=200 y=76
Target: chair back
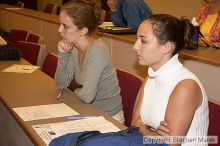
x=214 y=120
x=50 y=65
x=50 y=8
x=17 y=35
x=130 y=85
x=34 y=38
x=29 y=51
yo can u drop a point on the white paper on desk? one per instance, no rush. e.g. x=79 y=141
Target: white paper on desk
x=110 y=26
x=50 y=131
x=106 y=24
x=13 y=8
x=45 y=111
x=2 y=42
x=21 y=68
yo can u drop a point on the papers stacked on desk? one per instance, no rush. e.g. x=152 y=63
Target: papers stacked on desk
x=108 y=27
x=50 y=131
x=44 y=111
x=106 y=24
x=2 y=42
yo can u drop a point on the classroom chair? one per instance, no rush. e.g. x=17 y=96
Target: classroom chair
x=17 y=35
x=34 y=38
x=130 y=85
x=50 y=65
x=29 y=51
x=214 y=120
x=50 y=8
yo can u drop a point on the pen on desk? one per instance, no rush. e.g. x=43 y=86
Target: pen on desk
x=79 y=117
x=59 y=95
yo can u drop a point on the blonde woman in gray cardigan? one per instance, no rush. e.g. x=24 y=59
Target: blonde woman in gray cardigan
x=85 y=61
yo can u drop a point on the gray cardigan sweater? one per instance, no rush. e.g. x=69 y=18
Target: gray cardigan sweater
x=97 y=76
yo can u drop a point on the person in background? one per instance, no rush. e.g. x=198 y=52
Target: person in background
x=128 y=13
x=97 y=6
x=208 y=18
x=172 y=100
x=84 y=63
x=65 y=1
x=106 y=8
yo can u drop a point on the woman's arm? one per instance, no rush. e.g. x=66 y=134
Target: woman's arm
x=96 y=61
x=136 y=113
x=65 y=65
x=116 y=13
x=183 y=102
x=132 y=13
x=136 y=120
x=144 y=129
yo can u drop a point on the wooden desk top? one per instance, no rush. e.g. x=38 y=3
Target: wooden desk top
x=202 y=54
x=37 y=88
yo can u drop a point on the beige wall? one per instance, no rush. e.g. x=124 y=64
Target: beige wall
x=177 y=8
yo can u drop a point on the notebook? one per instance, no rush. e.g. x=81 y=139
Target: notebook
x=108 y=27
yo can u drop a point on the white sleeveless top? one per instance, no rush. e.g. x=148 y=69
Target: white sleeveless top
x=157 y=91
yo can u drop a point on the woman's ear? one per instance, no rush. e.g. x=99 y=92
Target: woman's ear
x=168 y=47
x=84 y=31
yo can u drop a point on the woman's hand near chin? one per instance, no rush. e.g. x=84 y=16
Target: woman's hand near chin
x=64 y=46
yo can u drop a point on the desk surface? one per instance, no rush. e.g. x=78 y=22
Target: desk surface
x=37 y=88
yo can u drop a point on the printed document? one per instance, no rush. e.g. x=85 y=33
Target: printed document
x=44 y=111
x=21 y=68
x=50 y=131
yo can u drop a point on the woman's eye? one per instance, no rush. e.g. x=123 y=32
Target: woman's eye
x=143 y=41
x=64 y=26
